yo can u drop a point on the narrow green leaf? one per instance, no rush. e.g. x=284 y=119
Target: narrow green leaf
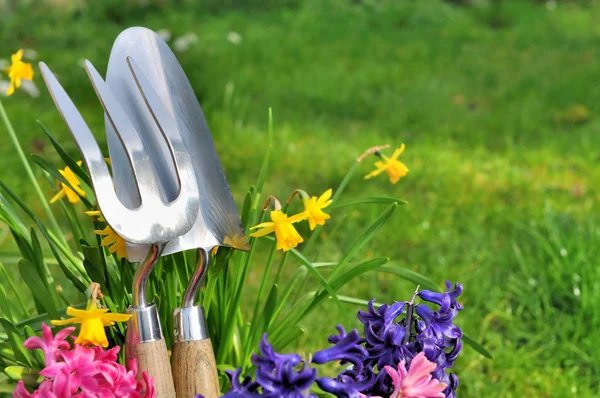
x=5 y=305
x=94 y=264
x=16 y=342
x=477 y=347
x=379 y=200
x=37 y=287
x=78 y=170
x=42 y=269
x=52 y=240
x=30 y=377
x=410 y=276
x=365 y=237
x=324 y=283
x=347 y=277
x=291 y=335
x=270 y=306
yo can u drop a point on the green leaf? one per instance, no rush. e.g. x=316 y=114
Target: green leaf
x=30 y=377
x=53 y=171
x=42 y=269
x=5 y=305
x=78 y=170
x=326 y=285
x=365 y=237
x=348 y=276
x=476 y=346
x=52 y=240
x=16 y=342
x=379 y=200
x=37 y=287
x=270 y=306
x=94 y=264
x=410 y=276
x=262 y=176
x=291 y=334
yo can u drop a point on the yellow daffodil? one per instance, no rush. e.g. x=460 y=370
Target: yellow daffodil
x=395 y=168
x=92 y=320
x=114 y=242
x=285 y=233
x=18 y=70
x=72 y=196
x=313 y=209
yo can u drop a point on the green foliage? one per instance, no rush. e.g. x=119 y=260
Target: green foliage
x=235 y=331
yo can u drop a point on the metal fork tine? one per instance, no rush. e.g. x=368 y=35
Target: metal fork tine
x=86 y=142
x=165 y=123
x=133 y=145
x=154 y=221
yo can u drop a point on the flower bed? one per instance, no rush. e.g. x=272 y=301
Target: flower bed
x=406 y=348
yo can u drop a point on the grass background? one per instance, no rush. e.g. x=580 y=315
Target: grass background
x=497 y=105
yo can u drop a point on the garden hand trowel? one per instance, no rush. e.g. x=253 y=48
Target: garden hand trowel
x=218 y=222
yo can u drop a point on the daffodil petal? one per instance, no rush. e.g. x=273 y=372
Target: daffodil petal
x=398 y=152
x=58 y=196
x=62 y=322
x=263 y=232
x=266 y=224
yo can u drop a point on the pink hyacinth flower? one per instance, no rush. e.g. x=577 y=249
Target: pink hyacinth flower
x=50 y=345
x=417 y=382
x=83 y=372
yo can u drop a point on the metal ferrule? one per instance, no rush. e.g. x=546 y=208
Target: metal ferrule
x=189 y=324
x=144 y=325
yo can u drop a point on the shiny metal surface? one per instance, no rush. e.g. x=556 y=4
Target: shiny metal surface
x=191 y=291
x=140 y=278
x=153 y=220
x=218 y=222
x=144 y=325
x=189 y=324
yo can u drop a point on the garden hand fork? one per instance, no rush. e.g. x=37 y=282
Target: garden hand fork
x=218 y=222
x=154 y=221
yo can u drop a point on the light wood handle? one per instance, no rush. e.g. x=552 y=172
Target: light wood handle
x=153 y=358
x=195 y=369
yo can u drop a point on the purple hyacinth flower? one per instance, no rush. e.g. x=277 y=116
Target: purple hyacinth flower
x=437 y=298
x=278 y=375
x=381 y=317
x=347 y=349
x=245 y=389
x=385 y=346
x=438 y=324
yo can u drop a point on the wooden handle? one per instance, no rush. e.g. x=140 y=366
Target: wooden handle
x=153 y=358
x=195 y=369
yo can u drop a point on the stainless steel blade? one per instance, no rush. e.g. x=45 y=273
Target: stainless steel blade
x=218 y=222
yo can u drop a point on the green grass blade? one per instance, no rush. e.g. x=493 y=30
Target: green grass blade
x=37 y=287
x=410 y=276
x=376 y=200
x=16 y=341
x=476 y=346
x=365 y=238
x=69 y=161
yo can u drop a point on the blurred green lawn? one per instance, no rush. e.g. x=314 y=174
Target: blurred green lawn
x=503 y=178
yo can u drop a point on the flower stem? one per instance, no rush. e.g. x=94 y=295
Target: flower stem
x=409 y=316
x=23 y=158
